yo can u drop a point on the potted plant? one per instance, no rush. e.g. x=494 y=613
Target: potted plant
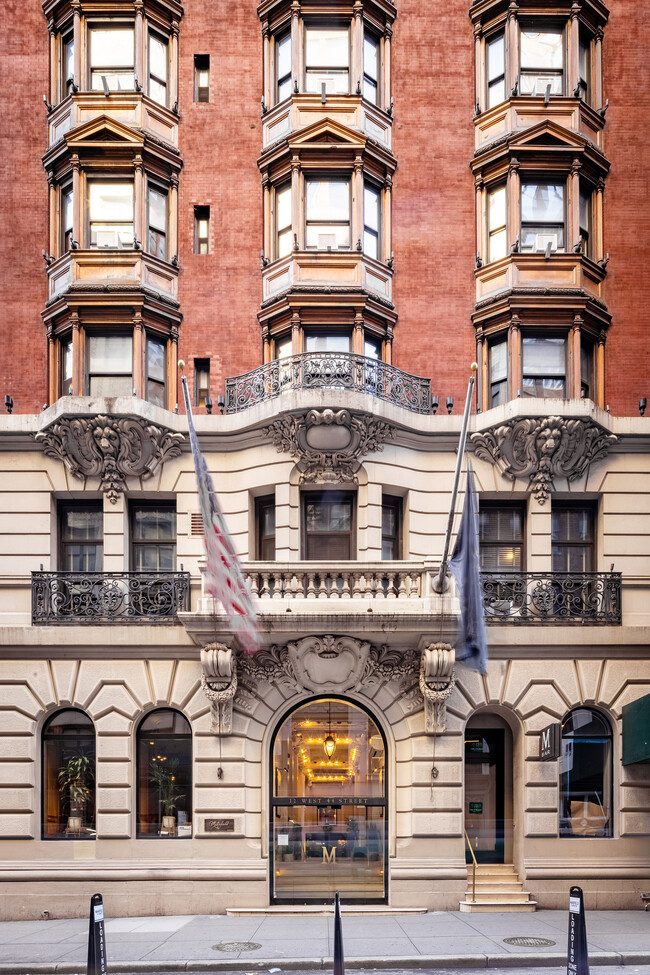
x=76 y=780
x=164 y=778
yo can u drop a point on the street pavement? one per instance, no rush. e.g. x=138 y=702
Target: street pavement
x=273 y=943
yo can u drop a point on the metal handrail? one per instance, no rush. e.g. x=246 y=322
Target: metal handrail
x=474 y=866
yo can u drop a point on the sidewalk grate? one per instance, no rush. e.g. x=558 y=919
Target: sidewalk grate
x=236 y=946
x=529 y=942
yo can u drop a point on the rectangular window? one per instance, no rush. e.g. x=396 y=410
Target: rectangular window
x=66 y=367
x=371 y=214
x=327 y=58
x=111 y=214
x=283 y=67
x=327 y=341
x=370 y=67
x=496 y=69
x=66 y=218
x=201 y=381
x=67 y=65
x=283 y=220
x=498 y=361
x=543 y=367
x=265 y=527
x=372 y=348
x=153 y=537
x=328 y=214
x=501 y=537
x=572 y=537
x=201 y=77
x=497 y=239
x=328 y=526
x=587 y=388
x=584 y=67
x=157 y=222
x=81 y=537
x=112 y=58
x=283 y=347
x=110 y=365
x=391 y=527
x=585 y=220
x=542 y=61
x=158 y=67
x=156 y=369
x=542 y=217
x=201 y=230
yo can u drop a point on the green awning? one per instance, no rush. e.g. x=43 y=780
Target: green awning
x=636 y=731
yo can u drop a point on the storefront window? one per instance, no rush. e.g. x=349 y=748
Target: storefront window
x=586 y=775
x=165 y=776
x=69 y=776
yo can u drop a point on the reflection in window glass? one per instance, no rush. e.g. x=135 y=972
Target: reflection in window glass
x=498 y=372
x=283 y=67
x=157 y=238
x=496 y=70
x=111 y=214
x=328 y=525
x=542 y=216
x=66 y=367
x=326 y=60
x=156 y=371
x=327 y=342
x=584 y=67
x=69 y=777
x=67 y=64
x=371 y=221
x=164 y=744
x=81 y=537
x=497 y=223
x=544 y=367
x=328 y=214
x=110 y=365
x=586 y=775
x=283 y=220
x=66 y=218
x=153 y=537
x=112 y=58
x=370 y=67
x=585 y=220
x=572 y=536
x=542 y=62
x=158 y=59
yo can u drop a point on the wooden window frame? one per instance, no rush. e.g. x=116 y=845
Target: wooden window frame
x=592 y=509
x=519 y=506
x=333 y=497
x=156 y=187
x=397 y=504
x=164 y=82
x=135 y=545
x=266 y=502
x=96 y=507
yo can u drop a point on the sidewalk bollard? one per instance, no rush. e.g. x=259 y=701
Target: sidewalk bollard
x=339 y=968
x=577 y=962
x=96 y=937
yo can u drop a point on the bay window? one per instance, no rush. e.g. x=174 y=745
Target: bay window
x=327 y=59
x=543 y=367
x=541 y=60
x=327 y=214
x=67 y=65
x=496 y=69
x=585 y=220
x=370 y=67
x=283 y=67
x=498 y=367
x=110 y=211
x=371 y=213
x=542 y=216
x=66 y=218
x=497 y=237
x=283 y=229
x=66 y=367
x=110 y=365
x=112 y=58
x=156 y=370
x=157 y=220
x=158 y=67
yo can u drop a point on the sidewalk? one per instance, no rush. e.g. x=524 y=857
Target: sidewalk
x=436 y=940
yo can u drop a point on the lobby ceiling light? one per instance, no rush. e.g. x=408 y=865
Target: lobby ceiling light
x=329 y=745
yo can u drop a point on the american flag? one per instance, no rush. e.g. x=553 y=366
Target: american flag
x=224 y=579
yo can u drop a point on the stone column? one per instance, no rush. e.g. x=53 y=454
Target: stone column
x=173 y=217
x=56 y=86
x=575 y=378
x=172 y=368
x=385 y=86
x=479 y=70
x=573 y=50
x=55 y=241
x=481 y=218
x=296 y=47
x=358 y=335
x=53 y=368
x=514 y=197
x=139 y=41
x=356 y=216
x=387 y=223
x=297 y=218
x=139 y=341
x=514 y=357
x=296 y=337
x=269 y=248
x=77 y=210
x=76 y=35
x=267 y=66
x=356 y=49
x=482 y=376
x=266 y=344
x=77 y=357
x=388 y=345
x=512 y=39
x=173 y=64
x=573 y=210
x=600 y=371
x=597 y=99
x=598 y=247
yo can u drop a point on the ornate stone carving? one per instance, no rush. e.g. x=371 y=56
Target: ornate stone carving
x=542 y=449
x=437 y=680
x=219 y=682
x=110 y=447
x=333 y=664
x=329 y=443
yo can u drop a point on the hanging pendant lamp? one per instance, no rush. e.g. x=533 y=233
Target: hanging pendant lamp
x=329 y=744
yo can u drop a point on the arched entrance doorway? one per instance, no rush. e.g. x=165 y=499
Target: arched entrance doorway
x=488 y=788
x=328 y=828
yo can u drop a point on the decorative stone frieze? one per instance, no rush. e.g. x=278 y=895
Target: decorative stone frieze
x=437 y=680
x=110 y=447
x=542 y=449
x=328 y=443
x=219 y=683
x=332 y=664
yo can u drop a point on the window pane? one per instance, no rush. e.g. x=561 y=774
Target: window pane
x=66 y=368
x=544 y=356
x=370 y=91
x=496 y=57
x=157 y=91
x=328 y=237
x=328 y=199
x=110 y=386
x=499 y=361
x=164 y=777
x=67 y=210
x=284 y=89
x=283 y=348
x=284 y=56
x=541 y=49
x=69 y=778
x=156 y=360
x=498 y=247
x=327 y=343
x=372 y=348
x=497 y=208
x=153 y=524
x=371 y=207
x=111 y=202
x=79 y=523
x=68 y=58
x=542 y=203
x=370 y=52
x=283 y=207
x=585 y=200
x=326 y=48
x=157 y=57
x=496 y=92
x=111 y=48
x=370 y=244
x=157 y=209
x=109 y=354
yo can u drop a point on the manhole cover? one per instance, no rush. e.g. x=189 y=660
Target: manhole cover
x=529 y=942
x=236 y=946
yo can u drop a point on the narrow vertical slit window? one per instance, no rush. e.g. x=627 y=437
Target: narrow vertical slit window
x=201 y=230
x=201 y=77
x=585 y=220
x=496 y=69
x=587 y=382
x=157 y=222
x=391 y=527
x=497 y=247
x=158 y=67
x=584 y=67
x=283 y=67
x=283 y=220
x=370 y=67
x=498 y=361
x=156 y=369
x=371 y=214
x=201 y=381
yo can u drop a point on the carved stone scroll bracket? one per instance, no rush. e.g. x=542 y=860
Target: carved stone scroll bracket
x=437 y=680
x=110 y=447
x=219 y=683
x=327 y=444
x=542 y=449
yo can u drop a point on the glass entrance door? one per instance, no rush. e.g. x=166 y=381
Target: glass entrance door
x=484 y=794
x=328 y=807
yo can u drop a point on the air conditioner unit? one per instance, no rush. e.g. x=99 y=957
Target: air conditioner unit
x=107 y=238
x=541 y=84
x=543 y=240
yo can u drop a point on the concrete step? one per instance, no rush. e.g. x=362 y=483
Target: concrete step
x=492 y=868
x=497 y=897
x=513 y=886
x=505 y=907
x=297 y=910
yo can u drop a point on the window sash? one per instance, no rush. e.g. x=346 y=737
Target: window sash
x=67 y=209
x=265 y=524
x=81 y=546
x=542 y=216
x=110 y=365
x=110 y=210
x=370 y=67
x=283 y=224
x=497 y=235
x=371 y=220
x=157 y=219
x=328 y=526
x=327 y=60
x=112 y=55
x=391 y=528
x=158 y=67
x=283 y=67
x=202 y=230
x=156 y=371
x=327 y=214
x=153 y=538
x=541 y=60
x=67 y=64
x=496 y=69
x=201 y=77
x=501 y=538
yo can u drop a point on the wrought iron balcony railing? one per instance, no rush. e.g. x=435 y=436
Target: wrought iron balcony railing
x=562 y=598
x=72 y=598
x=328 y=370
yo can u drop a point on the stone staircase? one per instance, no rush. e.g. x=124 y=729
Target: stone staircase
x=498 y=888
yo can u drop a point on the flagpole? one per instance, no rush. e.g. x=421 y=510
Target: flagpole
x=440 y=583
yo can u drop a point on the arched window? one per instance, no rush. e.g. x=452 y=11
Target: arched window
x=586 y=775
x=164 y=775
x=68 y=776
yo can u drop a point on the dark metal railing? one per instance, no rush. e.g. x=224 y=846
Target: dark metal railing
x=563 y=598
x=328 y=370
x=108 y=597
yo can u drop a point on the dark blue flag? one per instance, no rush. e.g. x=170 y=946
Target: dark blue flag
x=471 y=642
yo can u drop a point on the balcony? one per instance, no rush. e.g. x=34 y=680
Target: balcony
x=328 y=370
x=557 y=598
x=75 y=598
